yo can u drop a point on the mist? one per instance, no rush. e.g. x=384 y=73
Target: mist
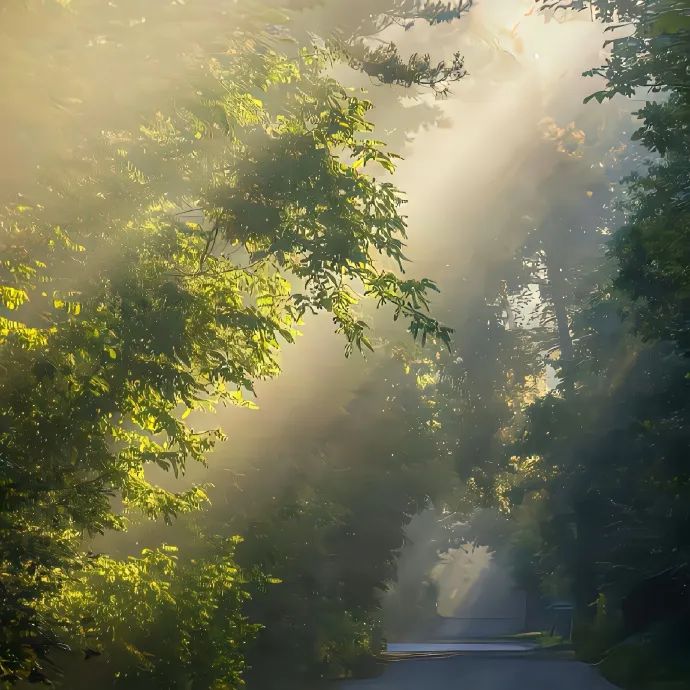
x=399 y=494
x=473 y=163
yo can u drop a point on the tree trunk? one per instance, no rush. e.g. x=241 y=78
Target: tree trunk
x=557 y=286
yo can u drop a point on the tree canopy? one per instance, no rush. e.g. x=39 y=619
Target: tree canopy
x=185 y=184
x=153 y=259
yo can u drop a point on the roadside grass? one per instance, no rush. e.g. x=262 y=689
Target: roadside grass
x=541 y=639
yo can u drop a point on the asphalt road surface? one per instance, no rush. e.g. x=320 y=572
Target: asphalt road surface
x=484 y=672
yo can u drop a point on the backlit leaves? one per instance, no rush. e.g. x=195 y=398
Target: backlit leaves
x=153 y=266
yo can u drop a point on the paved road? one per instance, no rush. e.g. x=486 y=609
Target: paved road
x=479 y=672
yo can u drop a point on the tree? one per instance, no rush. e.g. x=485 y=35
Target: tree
x=606 y=462
x=331 y=532
x=651 y=247
x=156 y=261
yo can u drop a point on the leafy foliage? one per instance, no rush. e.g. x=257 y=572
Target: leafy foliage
x=331 y=532
x=652 y=57
x=168 y=621
x=385 y=64
x=152 y=268
x=604 y=471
